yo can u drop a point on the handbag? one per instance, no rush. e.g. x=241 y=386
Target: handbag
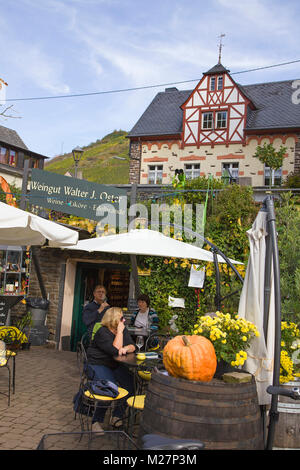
x=104 y=387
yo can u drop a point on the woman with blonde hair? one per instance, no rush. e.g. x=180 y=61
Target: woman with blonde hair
x=110 y=340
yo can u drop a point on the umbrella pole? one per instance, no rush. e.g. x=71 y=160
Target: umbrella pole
x=267 y=291
x=133 y=259
x=273 y=414
x=218 y=286
x=267 y=283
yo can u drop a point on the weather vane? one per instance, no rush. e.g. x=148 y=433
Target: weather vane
x=221 y=45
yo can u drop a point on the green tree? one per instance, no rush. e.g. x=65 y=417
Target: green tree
x=270 y=157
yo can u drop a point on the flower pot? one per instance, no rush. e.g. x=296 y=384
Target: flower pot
x=222 y=368
x=13 y=346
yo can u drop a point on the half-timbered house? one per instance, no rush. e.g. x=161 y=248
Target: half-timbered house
x=217 y=126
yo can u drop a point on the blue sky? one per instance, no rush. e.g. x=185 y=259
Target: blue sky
x=59 y=47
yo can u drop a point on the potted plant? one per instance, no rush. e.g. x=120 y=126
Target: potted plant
x=25 y=323
x=12 y=337
x=231 y=336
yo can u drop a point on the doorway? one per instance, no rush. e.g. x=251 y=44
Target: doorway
x=115 y=277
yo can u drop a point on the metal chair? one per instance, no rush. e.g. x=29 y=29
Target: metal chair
x=136 y=402
x=4 y=362
x=156 y=341
x=115 y=440
x=82 y=346
x=91 y=402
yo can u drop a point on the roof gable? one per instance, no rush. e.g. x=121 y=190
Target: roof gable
x=217 y=69
x=11 y=137
x=272 y=109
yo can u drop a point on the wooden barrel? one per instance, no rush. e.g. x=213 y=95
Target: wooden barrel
x=221 y=415
x=287 y=428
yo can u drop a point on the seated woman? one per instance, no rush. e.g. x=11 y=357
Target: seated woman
x=110 y=340
x=145 y=317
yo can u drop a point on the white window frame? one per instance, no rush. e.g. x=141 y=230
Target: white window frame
x=210 y=120
x=157 y=172
x=192 y=170
x=222 y=119
x=220 y=82
x=275 y=175
x=212 y=81
x=233 y=168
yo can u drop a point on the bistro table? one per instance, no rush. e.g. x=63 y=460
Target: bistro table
x=136 y=365
x=130 y=360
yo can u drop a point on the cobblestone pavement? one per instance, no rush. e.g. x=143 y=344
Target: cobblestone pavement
x=46 y=381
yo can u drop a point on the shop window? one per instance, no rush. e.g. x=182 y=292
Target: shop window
x=155 y=174
x=192 y=170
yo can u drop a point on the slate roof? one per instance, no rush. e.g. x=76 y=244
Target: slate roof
x=218 y=68
x=273 y=103
x=10 y=137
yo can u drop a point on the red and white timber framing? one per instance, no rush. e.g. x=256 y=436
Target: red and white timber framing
x=203 y=100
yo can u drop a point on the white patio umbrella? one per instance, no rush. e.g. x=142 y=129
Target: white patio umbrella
x=251 y=307
x=18 y=227
x=146 y=242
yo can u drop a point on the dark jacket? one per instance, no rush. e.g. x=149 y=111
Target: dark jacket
x=90 y=316
x=101 y=350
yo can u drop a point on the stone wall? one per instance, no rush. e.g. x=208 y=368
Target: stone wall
x=135 y=162
x=51 y=262
x=171 y=155
x=297 y=155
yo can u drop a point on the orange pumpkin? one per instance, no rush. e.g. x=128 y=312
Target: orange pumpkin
x=191 y=357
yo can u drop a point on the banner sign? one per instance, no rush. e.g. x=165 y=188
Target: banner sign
x=197 y=276
x=74 y=196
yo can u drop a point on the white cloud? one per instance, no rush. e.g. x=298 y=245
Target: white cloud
x=45 y=72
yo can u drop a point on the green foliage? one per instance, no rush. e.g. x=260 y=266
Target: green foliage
x=98 y=163
x=229 y=216
x=292 y=181
x=233 y=213
x=288 y=228
x=269 y=156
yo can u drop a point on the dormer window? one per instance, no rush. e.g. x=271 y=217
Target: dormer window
x=220 y=82
x=212 y=83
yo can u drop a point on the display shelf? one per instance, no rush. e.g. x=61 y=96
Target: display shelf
x=14 y=270
x=118 y=288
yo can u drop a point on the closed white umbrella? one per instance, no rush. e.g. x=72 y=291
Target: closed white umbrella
x=146 y=242
x=18 y=227
x=251 y=307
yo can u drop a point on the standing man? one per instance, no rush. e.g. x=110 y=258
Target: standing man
x=93 y=312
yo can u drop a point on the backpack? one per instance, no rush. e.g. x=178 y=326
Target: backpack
x=96 y=327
